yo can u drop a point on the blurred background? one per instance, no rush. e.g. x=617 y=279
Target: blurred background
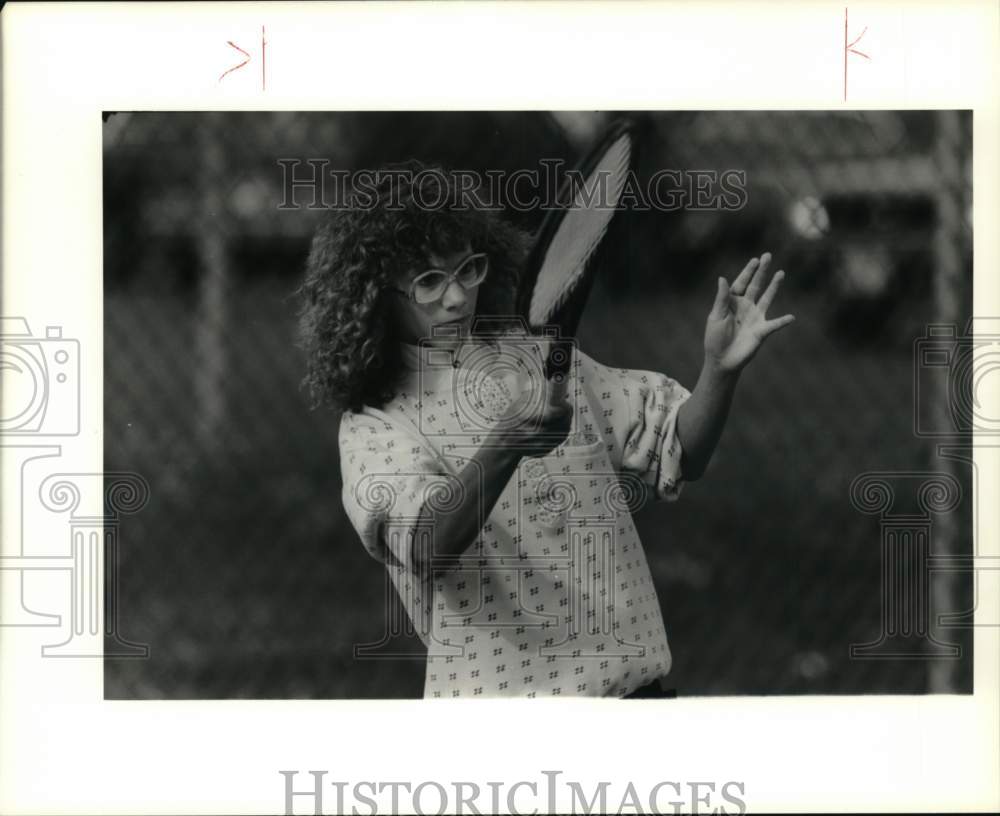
x=242 y=573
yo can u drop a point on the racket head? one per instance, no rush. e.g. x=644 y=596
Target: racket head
x=567 y=251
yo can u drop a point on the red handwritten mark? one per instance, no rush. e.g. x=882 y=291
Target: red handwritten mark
x=263 y=60
x=850 y=49
x=235 y=67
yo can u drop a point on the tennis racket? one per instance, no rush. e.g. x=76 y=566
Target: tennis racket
x=567 y=252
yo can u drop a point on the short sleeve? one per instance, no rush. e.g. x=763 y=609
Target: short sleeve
x=639 y=410
x=388 y=476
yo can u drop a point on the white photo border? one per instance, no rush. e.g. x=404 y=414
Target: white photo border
x=64 y=749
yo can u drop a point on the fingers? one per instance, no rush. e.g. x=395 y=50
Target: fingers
x=740 y=284
x=515 y=411
x=721 y=306
x=757 y=281
x=772 y=289
x=769 y=327
x=556 y=424
x=557 y=421
x=557 y=389
x=557 y=402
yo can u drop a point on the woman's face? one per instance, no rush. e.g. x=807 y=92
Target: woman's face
x=453 y=311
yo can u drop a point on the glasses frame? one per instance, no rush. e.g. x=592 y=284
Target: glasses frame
x=450 y=277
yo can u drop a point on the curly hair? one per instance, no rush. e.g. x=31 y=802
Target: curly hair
x=350 y=342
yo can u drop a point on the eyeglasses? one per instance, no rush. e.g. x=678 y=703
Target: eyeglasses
x=431 y=285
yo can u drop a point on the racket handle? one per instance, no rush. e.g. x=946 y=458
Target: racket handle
x=557 y=366
x=558 y=386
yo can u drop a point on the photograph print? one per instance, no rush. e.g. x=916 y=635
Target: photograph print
x=630 y=404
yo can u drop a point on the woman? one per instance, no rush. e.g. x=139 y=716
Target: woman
x=500 y=502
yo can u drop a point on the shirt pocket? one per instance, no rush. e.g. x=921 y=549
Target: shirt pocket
x=575 y=484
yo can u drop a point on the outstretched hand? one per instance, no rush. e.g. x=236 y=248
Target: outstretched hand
x=738 y=324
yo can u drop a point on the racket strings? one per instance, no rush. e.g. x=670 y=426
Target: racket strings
x=580 y=232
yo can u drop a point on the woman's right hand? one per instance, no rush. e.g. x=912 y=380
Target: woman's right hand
x=537 y=423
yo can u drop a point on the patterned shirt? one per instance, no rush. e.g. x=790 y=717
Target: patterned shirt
x=555 y=596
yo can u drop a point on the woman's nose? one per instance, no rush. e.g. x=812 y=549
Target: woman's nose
x=454 y=296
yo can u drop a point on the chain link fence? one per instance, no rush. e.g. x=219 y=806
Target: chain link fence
x=242 y=573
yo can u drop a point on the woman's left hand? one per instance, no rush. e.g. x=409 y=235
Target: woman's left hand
x=738 y=324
